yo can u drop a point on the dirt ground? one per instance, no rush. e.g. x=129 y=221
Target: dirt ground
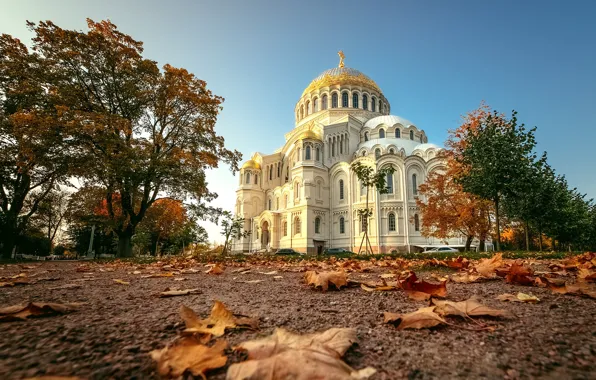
x=111 y=335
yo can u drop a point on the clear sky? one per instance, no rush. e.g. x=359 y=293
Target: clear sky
x=434 y=61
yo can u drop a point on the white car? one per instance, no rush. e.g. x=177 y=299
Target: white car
x=441 y=249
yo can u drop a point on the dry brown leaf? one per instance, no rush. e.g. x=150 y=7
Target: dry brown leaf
x=121 y=282
x=338 y=279
x=487 y=267
x=251 y=281
x=411 y=282
x=587 y=275
x=519 y=274
x=520 y=297
x=189 y=355
x=334 y=342
x=297 y=365
x=468 y=308
x=465 y=278
x=417 y=296
x=217 y=322
x=35 y=309
x=269 y=273
x=155 y=275
x=179 y=279
x=215 y=269
x=175 y=292
x=422 y=318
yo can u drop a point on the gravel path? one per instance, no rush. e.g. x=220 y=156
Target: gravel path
x=113 y=332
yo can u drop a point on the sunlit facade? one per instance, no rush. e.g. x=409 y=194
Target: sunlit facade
x=304 y=195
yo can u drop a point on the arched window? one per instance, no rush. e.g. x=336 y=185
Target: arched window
x=256 y=179
x=277 y=203
x=377 y=153
x=391 y=221
x=317 y=225
x=355 y=100
x=318 y=154
x=286 y=201
x=315 y=105
x=342 y=225
x=411 y=135
x=373 y=103
x=269 y=204
x=307 y=153
x=341 y=189
x=285 y=228
x=397 y=133
x=248 y=178
x=296 y=190
x=334 y=100
x=308 y=108
x=381 y=106
x=365 y=102
x=381 y=133
x=414 y=184
x=297 y=226
x=365 y=136
x=278 y=169
x=421 y=139
x=270 y=173
x=344 y=100
x=301 y=112
x=392 y=151
x=389 y=180
x=416 y=222
x=319 y=190
x=324 y=102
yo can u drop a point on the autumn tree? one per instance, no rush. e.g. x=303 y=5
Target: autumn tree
x=232 y=227
x=164 y=220
x=448 y=211
x=370 y=178
x=496 y=158
x=35 y=152
x=145 y=133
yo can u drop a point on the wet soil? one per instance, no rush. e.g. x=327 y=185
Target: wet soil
x=111 y=335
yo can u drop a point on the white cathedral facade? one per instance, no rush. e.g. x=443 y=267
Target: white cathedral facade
x=304 y=195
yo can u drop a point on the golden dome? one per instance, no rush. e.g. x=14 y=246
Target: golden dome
x=341 y=75
x=251 y=164
x=309 y=135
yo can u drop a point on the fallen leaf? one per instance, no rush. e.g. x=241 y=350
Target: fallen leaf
x=136 y=272
x=285 y=355
x=487 y=267
x=278 y=277
x=35 y=309
x=417 y=296
x=465 y=278
x=121 y=282
x=176 y=292
x=334 y=342
x=519 y=274
x=215 y=269
x=468 y=308
x=269 y=273
x=412 y=283
x=179 y=279
x=587 y=275
x=189 y=355
x=217 y=322
x=520 y=297
x=252 y=281
x=53 y=378
x=338 y=279
x=388 y=275
x=297 y=365
x=155 y=275
x=422 y=318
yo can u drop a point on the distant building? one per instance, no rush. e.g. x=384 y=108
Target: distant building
x=304 y=195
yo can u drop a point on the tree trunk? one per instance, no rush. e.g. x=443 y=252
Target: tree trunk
x=8 y=243
x=468 y=242
x=527 y=237
x=498 y=224
x=481 y=246
x=125 y=243
x=540 y=238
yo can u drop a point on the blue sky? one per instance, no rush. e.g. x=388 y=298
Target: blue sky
x=434 y=61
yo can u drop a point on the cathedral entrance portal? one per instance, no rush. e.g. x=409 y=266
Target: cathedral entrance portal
x=319 y=246
x=264 y=234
